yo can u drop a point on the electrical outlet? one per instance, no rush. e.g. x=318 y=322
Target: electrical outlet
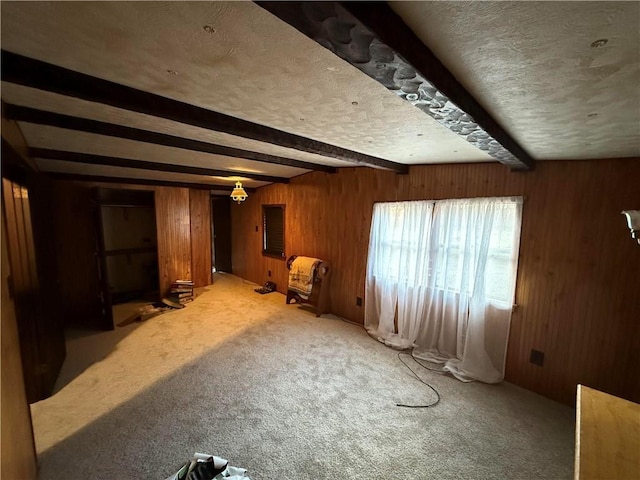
x=359 y=301
x=537 y=357
x=268 y=273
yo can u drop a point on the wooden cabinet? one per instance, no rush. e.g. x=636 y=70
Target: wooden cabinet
x=607 y=436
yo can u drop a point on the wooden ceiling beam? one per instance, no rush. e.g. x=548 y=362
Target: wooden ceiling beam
x=375 y=39
x=34 y=73
x=59 y=120
x=139 y=181
x=90 y=159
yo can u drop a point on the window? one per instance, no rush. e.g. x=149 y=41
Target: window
x=441 y=279
x=273 y=230
x=439 y=244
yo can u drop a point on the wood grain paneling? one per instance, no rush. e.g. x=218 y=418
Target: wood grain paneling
x=200 y=219
x=24 y=291
x=176 y=228
x=174 y=235
x=41 y=337
x=18 y=450
x=579 y=269
x=27 y=208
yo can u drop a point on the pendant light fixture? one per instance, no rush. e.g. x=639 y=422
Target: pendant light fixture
x=238 y=194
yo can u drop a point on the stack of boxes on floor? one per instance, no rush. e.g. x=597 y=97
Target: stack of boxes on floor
x=181 y=293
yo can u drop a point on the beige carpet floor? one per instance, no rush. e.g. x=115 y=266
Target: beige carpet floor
x=286 y=395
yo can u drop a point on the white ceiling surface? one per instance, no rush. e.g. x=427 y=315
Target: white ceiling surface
x=253 y=67
x=531 y=65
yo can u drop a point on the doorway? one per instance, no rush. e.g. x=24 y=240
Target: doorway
x=221 y=224
x=33 y=283
x=127 y=250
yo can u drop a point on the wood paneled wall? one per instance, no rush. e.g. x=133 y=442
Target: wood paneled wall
x=18 y=454
x=200 y=221
x=578 y=286
x=174 y=235
x=183 y=222
x=35 y=293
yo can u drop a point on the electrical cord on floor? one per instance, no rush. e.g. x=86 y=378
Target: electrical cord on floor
x=410 y=369
x=417 y=360
x=420 y=380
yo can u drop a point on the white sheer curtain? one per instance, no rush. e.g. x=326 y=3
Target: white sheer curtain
x=446 y=271
x=399 y=232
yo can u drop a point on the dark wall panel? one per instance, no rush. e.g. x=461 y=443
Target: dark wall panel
x=221 y=213
x=76 y=239
x=578 y=281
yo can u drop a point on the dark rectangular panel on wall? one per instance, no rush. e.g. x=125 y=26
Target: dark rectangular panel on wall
x=174 y=235
x=200 y=217
x=222 y=244
x=578 y=277
x=52 y=337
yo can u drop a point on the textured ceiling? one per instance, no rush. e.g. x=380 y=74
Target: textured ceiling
x=60 y=139
x=532 y=66
x=253 y=67
x=40 y=99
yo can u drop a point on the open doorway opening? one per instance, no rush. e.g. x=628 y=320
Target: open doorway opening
x=221 y=224
x=128 y=250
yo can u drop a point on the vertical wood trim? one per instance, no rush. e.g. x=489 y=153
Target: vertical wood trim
x=200 y=219
x=28 y=236
x=174 y=235
x=578 y=282
x=18 y=448
x=23 y=289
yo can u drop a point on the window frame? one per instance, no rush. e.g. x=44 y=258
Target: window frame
x=281 y=255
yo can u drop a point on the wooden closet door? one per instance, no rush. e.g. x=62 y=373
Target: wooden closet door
x=18 y=454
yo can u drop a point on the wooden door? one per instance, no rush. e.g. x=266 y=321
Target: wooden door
x=18 y=455
x=41 y=335
x=77 y=256
x=221 y=211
